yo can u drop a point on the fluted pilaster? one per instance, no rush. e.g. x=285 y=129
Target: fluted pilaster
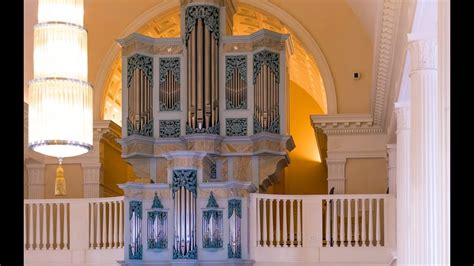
x=93 y=178
x=36 y=182
x=336 y=175
x=425 y=153
x=392 y=168
x=402 y=111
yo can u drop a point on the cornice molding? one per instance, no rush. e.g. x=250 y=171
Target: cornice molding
x=348 y=124
x=384 y=54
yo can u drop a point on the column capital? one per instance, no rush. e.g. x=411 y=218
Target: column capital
x=402 y=110
x=423 y=54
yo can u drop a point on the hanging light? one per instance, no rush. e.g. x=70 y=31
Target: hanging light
x=60 y=98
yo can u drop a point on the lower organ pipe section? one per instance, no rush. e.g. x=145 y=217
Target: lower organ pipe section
x=135 y=249
x=266 y=82
x=140 y=98
x=184 y=195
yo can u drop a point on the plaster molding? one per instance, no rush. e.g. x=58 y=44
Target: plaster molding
x=348 y=124
x=383 y=66
x=342 y=155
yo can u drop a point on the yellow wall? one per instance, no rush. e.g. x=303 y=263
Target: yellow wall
x=115 y=171
x=345 y=44
x=74 y=181
x=366 y=176
x=305 y=174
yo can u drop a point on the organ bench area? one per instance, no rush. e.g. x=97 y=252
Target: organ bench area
x=206 y=124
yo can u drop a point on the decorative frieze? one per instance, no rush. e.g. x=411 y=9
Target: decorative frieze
x=272 y=60
x=236 y=126
x=350 y=124
x=209 y=130
x=170 y=128
x=208 y=14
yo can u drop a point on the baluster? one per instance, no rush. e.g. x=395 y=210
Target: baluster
x=285 y=234
x=356 y=221
x=342 y=233
x=38 y=228
x=259 y=236
x=299 y=240
x=30 y=222
x=91 y=225
x=328 y=223
x=292 y=225
x=66 y=226
x=371 y=226
x=349 y=223
x=270 y=220
x=364 y=234
x=104 y=225
x=277 y=222
x=25 y=226
x=121 y=223
x=334 y=222
x=44 y=226
x=264 y=216
x=377 y=224
x=115 y=238
x=97 y=225
x=51 y=227
x=110 y=224
x=58 y=226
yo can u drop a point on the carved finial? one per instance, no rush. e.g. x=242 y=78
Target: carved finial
x=212 y=203
x=156 y=202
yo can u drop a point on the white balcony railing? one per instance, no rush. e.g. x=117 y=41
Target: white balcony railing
x=322 y=228
x=284 y=229
x=73 y=230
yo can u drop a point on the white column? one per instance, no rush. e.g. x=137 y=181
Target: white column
x=392 y=168
x=445 y=99
x=402 y=110
x=336 y=175
x=425 y=153
x=93 y=178
x=36 y=182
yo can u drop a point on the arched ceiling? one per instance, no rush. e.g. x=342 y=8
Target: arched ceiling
x=333 y=24
x=247 y=20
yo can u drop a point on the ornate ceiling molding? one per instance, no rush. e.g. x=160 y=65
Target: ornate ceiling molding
x=384 y=55
x=349 y=124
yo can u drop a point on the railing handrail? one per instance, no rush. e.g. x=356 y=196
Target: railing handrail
x=320 y=197
x=74 y=200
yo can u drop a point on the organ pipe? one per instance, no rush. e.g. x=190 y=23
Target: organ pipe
x=202 y=46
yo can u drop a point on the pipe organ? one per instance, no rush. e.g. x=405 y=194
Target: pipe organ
x=169 y=84
x=140 y=95
x=266 y=78
x=236 y=82
x=202 y=53
x=206 y=119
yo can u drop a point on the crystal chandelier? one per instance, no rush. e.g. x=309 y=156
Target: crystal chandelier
x=60 y=98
